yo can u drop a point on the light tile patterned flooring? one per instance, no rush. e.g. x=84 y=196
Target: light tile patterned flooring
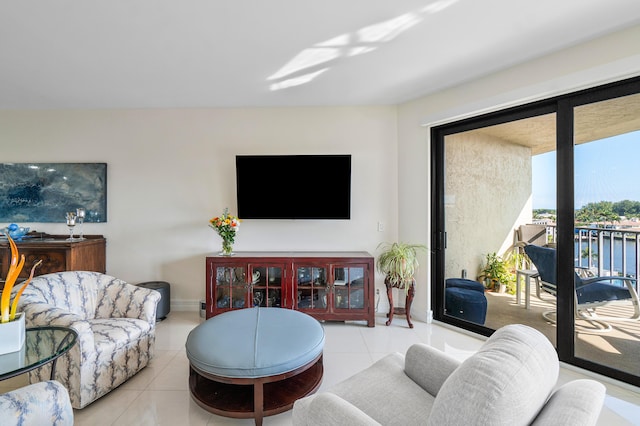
x=159 y=395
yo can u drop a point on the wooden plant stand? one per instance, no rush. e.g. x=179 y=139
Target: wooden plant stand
x=409 y=299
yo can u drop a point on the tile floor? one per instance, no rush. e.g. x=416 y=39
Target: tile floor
x=159 y=394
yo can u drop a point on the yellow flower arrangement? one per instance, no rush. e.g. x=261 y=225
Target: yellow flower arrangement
x=8 y=309
x=226 y=226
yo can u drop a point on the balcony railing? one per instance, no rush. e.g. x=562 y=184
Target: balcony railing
x=608 y=251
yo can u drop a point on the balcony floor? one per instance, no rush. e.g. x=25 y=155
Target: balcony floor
x=618 y=347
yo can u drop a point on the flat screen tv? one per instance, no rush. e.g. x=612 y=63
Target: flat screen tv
x=293 y=186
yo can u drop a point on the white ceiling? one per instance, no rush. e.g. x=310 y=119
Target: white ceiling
x=240 y=53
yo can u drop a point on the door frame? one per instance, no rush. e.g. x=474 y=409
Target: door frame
x=563 y=106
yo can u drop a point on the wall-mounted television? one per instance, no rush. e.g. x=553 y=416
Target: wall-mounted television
x=293 y=186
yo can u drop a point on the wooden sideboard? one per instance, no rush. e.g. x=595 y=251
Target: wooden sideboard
x=329 y=286
x=57 y=254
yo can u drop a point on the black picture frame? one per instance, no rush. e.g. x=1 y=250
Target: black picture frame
x=44 y=192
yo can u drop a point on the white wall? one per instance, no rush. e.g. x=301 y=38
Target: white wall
x=602 y=60
x=170 y=171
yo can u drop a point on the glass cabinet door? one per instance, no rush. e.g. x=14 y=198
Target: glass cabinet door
x=266 y=286
x=231 y=287
x=348 y=287
x=312 y=287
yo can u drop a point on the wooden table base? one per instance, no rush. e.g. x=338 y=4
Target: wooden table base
x=257 y=397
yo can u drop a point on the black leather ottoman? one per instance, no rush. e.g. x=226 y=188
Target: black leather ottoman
x=164 y=305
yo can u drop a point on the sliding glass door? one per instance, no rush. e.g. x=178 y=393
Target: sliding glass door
x=488 y=211
x=556 y=177
x=606 y=140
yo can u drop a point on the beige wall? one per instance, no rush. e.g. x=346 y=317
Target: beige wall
x=170 y=171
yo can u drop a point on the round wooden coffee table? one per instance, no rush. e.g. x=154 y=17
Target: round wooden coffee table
x=254 y=362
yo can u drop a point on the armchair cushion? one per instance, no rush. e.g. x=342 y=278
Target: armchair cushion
x=115 y=322
x=429 y=367
x=328 y=409
x=383 y=391
x=505 y=383
x=601 y=289
x=44 y=403
x=573 y=403
x=110 y=335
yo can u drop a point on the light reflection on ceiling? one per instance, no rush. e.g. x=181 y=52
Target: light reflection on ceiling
x=303 y=68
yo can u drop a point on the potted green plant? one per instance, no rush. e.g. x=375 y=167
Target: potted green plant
x=496 y=273
x=399 y=262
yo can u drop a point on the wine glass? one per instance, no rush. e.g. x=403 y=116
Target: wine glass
x=80 y=215
x=71 y=223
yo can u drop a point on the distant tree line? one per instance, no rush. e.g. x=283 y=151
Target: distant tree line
x=601 y=211
x=627 y=208
x=540 y=212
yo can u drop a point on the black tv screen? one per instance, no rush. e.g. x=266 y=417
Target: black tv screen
x=293 y=186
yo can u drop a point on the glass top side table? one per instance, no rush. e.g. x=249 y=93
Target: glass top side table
x=42 y=345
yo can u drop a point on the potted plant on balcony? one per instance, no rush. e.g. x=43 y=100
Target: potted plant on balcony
x=399 y=262
x=496 y=273
x=12 y=324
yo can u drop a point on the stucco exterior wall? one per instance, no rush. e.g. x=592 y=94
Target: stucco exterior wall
x=487 y=194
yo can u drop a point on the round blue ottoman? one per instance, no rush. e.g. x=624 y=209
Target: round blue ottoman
x=254 y=362
x=465 y=299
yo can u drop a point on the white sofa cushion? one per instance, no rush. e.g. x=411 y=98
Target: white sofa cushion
x=505 y=383
x=381 y=400
x=567 y=404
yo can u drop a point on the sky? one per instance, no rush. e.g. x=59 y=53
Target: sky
x=605 y=170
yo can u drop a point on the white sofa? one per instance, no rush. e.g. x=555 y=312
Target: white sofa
x=510 y=381
x=115 y=322
x=44 y=403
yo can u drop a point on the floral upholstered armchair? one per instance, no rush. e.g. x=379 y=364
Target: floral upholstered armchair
x=115 y=322
x=44 y=403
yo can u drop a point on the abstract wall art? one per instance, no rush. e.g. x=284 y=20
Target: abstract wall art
x=44 y=192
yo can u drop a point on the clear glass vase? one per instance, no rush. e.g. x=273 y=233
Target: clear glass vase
x=227 y=248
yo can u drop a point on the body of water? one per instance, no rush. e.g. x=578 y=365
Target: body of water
x=631 y=255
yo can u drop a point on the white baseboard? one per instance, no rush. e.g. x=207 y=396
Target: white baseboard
x=189 y=305
x=185 y=305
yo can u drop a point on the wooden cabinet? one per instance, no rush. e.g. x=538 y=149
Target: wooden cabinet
x=57 y=254
x=329 y=286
